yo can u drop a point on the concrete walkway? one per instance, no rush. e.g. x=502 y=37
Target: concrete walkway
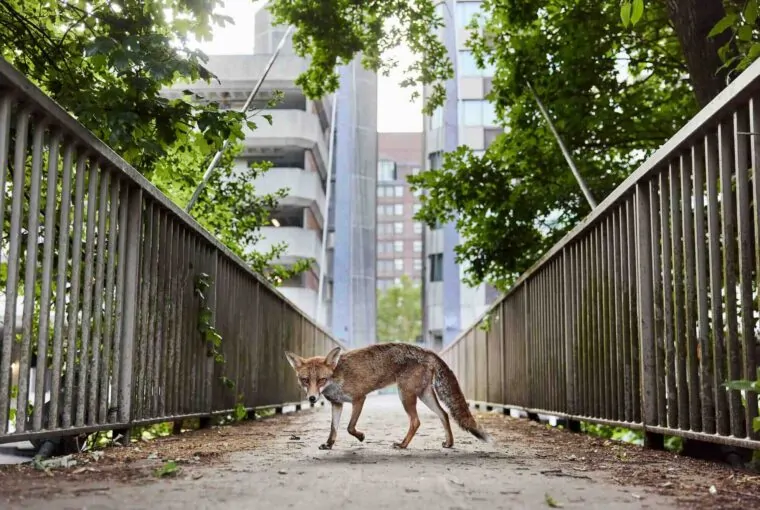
x=289 y=471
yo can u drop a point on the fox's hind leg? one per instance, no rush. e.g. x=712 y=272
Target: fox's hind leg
x=337 y=409
x=409 y=400
x=429 y=399
x=356 y=410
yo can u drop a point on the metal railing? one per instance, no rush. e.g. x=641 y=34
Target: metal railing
x=103 y=311
x=640 y=315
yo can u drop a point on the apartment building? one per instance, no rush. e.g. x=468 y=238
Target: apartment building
x=399 y=236
x=297 y=143
x=466 y=118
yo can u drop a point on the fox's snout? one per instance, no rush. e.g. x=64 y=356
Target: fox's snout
x=313 y=391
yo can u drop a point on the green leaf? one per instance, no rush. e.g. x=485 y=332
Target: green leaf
x=744 y=33
x=743 y=385
x=625 y=13
x=268 y=118
x=724 y=24
x=752 y=54
x=170 y=468
x=751 y=12
x=637 y=11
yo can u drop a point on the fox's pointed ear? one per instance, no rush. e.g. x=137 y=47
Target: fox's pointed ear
x=294 y=360
x=332 y=357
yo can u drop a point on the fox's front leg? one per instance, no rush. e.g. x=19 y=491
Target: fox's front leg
x=356 y=410
x=337 y=408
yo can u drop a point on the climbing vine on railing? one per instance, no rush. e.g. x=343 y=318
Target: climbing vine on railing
x=485 y=323
x=213 y=338
x=205 y=324
x=748 y=387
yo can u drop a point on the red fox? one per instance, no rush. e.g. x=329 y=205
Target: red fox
x=350 y=376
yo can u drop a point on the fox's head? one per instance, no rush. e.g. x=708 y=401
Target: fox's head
x=314 y=374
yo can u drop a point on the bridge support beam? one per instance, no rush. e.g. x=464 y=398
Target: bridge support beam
x=654 y=441
x=126 y=436
x=570 y=424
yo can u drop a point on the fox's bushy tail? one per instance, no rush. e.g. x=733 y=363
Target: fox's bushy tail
x=447 y=388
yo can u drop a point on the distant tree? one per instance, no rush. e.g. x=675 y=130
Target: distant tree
x=399 y=312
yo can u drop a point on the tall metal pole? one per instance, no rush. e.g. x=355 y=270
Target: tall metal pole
x=218 y=155
x=565 y=152
x=325 y=220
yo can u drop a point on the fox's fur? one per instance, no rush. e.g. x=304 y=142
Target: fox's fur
x=350 y=376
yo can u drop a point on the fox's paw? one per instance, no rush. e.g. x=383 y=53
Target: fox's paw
x=359 y=435
x=447 y=444
x=325 y=446
x=400 y=446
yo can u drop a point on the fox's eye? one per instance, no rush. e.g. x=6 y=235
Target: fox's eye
x=304 y=381
x=321 y=381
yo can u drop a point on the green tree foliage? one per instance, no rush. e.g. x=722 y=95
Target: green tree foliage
x=333 y=32
x=106 y=61
x=618 y=78
x=399 y=312
x=615 y=94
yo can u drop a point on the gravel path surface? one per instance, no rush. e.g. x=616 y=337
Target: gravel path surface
x=275 y=463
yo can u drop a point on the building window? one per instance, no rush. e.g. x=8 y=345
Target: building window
x=469 y=67
x=489 y=114
x=386 y=170
x=398 y=209
x=398 y=246
x=472 y=113
x=384 y=228
x=417 y=208
x=465 y=12
x=436 y=160
x=436 y=120
x=418 y=264
x=399 y=191
x=490 y=135
x=417 y=227
x=478 y=112
x=416 y=170
x=418 y=246
x=398 y=264
x=380 y=210
x=438 y=338
x=436 y=267
x=398 y=227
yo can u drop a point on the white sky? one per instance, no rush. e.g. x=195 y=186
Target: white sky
x=395 y=112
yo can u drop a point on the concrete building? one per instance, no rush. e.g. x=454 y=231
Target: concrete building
x=352 y=209
x=399 y=237
x=468 y=119
x=297 y=143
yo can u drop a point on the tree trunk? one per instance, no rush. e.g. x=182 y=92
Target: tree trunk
x=693 y=20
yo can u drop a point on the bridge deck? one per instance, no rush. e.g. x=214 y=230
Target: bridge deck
x=275 y=463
